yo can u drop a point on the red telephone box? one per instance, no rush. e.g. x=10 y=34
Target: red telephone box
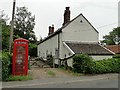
x=20 y=57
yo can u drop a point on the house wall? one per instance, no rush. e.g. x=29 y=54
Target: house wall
x=76 y=32
x=80 y=32
x=70 y=62
x=119 y=14
x=66 y=52
x=48 y=47
x=101 y=57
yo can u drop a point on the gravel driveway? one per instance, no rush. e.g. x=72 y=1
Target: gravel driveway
x=38 y=73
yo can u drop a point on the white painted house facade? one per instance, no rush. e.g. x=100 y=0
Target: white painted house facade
x=74 y=37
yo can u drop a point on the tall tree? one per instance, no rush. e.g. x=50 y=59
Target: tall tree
x=5 y=31
x=110 y=39
x=24 y=24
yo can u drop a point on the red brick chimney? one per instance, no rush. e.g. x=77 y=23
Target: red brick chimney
x=51 y=29
x=66 y=15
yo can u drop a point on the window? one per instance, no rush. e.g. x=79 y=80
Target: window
x=65 y=55
x=81 y=21
x=39 y=53
x=56 y=52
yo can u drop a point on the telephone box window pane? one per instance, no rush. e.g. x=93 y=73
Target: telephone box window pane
x=21 y=49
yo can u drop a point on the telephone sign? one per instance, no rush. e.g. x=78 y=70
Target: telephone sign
x=20 y=57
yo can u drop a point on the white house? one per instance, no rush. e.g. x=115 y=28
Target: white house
x=119 y=14
x=74 y=37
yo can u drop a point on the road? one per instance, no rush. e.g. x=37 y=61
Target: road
x=97 y=81
x=105 y=83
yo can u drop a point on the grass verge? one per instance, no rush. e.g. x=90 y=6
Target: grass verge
x=19 y=78
x=51 y=73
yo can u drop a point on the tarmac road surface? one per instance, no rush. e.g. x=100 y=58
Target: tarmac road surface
x=96 y=81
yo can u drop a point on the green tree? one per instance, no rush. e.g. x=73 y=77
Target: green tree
x=24 y=24
x=5 y=31
x=23 y=28
x=32 y=50
x=109 y=39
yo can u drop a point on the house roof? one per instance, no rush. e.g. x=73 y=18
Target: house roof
x=60 y=29
x=114 y=48
x=88 y=48
x=56 y=32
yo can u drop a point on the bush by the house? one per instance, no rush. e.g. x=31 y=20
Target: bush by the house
x=6 y=65
x=82 y=63
x=116 y=56
x=85 y=64
x=107 y=66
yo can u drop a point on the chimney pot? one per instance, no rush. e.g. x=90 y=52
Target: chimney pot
x=67 y=8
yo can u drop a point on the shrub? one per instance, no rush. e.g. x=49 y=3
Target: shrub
x=6 y=65
x=82 y=63
x=107 y=66
x=116 y=56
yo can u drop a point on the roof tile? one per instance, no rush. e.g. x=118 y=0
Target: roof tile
x=114 y=48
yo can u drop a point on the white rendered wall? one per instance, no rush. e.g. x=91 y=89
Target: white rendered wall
x=80 y=32
x=48 y=46
x=119 y=14
x=101 y=57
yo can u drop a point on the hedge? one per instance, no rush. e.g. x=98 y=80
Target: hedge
x=6 y=65
x=116 y=56
x=107 y=66
x=85 y=64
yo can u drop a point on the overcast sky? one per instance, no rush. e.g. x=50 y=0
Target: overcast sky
x=102 y=14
